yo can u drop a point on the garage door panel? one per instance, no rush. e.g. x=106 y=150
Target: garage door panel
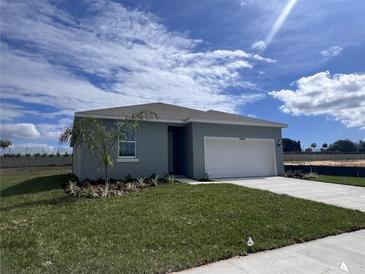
x=231 y=157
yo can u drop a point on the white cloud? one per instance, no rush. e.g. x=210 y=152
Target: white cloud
x=341 y=96
x=53 y=131
x=135 y=59
x=19 y=130
x=10 y=111
x=260 y=45
x=32 y=145
x=332 y=51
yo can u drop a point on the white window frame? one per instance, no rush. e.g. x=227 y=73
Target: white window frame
x=129 y=158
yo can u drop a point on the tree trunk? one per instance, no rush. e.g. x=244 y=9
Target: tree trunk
x=106 y=190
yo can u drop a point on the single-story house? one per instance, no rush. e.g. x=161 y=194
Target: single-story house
x=187 y=142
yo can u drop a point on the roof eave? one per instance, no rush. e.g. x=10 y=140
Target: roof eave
x=277 y=125
x=186 y=121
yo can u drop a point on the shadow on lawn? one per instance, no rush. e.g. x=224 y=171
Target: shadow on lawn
x=35 y=185
x=46 y=202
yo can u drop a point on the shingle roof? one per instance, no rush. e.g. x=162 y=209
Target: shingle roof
x=177 y=114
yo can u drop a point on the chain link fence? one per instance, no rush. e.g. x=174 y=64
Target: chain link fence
x=36 y=151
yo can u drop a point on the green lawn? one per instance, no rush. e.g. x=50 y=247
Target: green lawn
x=164 y=228
x=354 y=181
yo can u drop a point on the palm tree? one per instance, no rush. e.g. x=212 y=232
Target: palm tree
x=100 y=141
x=4 y=144
x=313 y=146
x=324 y=146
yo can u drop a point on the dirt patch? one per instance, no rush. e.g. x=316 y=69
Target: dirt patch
x=349 y=163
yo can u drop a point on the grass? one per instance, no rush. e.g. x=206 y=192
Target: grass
x=161 y=229
x=354 y=181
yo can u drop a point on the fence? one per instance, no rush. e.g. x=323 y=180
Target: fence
x=329 y=170
x=36 y=150
x=33 y=161
x=323 y=157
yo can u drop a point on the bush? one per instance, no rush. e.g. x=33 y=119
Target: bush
x=155 y=180
x=289 y=174
x=37 y=154
x=58 y=154
x=27 y=155
x=66 y=154
x=171 y=179
x=205 y=178
x=310 y=175
x=299 y=174
x=129 y=178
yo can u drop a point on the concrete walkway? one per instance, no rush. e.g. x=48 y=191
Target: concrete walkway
x=352 y=197
x=320 y=256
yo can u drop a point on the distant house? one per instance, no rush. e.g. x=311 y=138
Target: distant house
x=188 y=142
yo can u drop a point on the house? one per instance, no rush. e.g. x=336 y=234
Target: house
x=188 y=142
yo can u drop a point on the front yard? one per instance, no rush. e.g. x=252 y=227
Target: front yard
x=160 y=229
x=354 y=181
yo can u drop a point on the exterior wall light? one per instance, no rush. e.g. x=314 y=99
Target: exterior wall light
x=279 y=142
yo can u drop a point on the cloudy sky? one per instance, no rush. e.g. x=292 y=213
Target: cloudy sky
x=292 y=61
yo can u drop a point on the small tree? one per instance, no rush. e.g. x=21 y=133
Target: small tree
x=313 y=146
x=308 y=149
x=346 y=146
x=100 y=141
x=290 y=145
x=4 y=144
x=361 y=146
x=325 y=146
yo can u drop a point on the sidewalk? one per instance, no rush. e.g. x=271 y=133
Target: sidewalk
x=320 y=256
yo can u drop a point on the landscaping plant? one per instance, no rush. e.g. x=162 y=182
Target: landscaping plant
x=100 y=141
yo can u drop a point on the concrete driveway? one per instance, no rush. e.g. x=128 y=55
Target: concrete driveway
x=326 y=255
x=352 y=197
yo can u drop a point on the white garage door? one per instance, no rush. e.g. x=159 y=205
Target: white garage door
x=232 y=157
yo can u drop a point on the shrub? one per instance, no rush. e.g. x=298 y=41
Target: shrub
x=140 y=182
x=72 y=189
x=205 y=178
x=298 y=174
x=289 y=174
x=44 y=155
x=17 y=155
x=155 y=180
x=128 y=178
x=72 y=177
x=50 y=155
x=310 y=175
x=27 y=155
x=66 y=154
x=37 y=154
x=58 y=154
x=170 y=179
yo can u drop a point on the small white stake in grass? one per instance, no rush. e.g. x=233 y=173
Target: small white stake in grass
x=344 y=267
x=250 y=242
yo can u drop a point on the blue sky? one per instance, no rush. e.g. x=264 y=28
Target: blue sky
x=298 y=62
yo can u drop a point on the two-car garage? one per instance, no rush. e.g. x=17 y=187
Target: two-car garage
x=239 y=157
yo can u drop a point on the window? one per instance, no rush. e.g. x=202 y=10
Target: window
x=128 y=144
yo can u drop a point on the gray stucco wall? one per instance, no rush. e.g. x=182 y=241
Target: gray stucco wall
x=152 y=152
x=199 y=130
